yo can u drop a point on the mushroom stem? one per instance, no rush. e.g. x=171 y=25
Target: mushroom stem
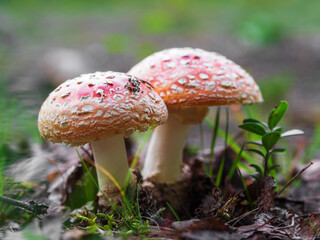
x=110 y=154
x=164 y=156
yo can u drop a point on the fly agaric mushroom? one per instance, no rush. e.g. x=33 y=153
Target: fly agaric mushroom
x=100 y=108
x=188 y=80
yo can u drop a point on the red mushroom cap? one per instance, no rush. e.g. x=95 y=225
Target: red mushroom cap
x=194 y=77
x=99 y=105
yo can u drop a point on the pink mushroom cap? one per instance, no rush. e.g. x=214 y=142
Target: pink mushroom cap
x=187 y=77
x=98 y=105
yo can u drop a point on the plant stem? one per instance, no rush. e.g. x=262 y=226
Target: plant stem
x=266 y=168
x=294 y=177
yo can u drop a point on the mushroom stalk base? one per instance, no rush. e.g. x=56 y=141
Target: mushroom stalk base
x=110 y=155
x=164 y=156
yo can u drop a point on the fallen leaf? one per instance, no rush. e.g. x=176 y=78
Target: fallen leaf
x=306 y=231
x=315 y=222
x=211 y=223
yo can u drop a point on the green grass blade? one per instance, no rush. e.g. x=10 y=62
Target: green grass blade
x=245 y=189
x=144 y=141
x=87 y=170
x=126 y=202
x=235 y=163
x=173 y=211
x=136 y=157
x=235 y=147
x=220 y=171
x=2 y=165
x=248 y=112
x=221 y=167
x=209 y=168
x=113 y=206
x=201 y=139
x=1 y=183
x=138 y=205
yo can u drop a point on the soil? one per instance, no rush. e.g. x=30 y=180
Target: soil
x=204 y=210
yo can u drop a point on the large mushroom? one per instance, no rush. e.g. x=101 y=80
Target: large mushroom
x=100 y=108
x=188 y=80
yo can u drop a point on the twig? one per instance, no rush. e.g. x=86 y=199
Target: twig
x=154 y=216
x=294 y=177
x=86 y=151
x=31 y=206
x=237 y=219
x=149 y=218
x=306 y=215
x=259 y=226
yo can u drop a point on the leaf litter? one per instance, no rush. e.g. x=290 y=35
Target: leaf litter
x=207 y=212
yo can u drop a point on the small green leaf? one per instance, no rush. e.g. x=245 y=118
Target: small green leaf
x=292 y=132
x=277 y=113
x=258 y=143
x=257 y=168
x=253 y=127
x=252 y=120
x=278 y=150
x=256 y=151
x=278 y=129
x=270 y=139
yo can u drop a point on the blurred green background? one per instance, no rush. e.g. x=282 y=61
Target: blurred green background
x=43 y=43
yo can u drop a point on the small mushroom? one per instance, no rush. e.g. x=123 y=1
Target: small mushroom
x=100 y=108
x=188 y=80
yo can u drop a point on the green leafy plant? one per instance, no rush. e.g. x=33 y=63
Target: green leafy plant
x=114 y=222
x=233 y=145
x=95 y=226
x=269 y=134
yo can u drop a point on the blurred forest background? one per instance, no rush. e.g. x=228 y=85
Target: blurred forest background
x=43 y=43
